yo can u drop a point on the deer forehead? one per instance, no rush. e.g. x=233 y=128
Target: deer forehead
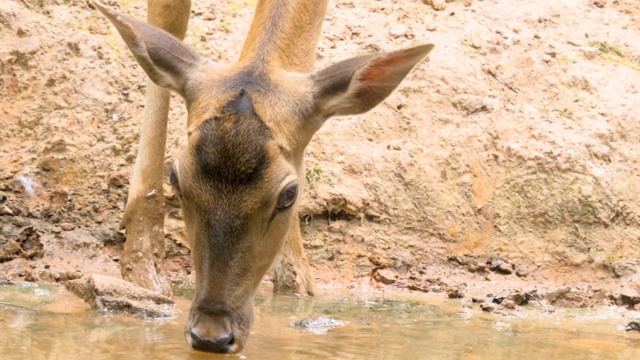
x=234 y=154
x=282 y=100
x=232 y=150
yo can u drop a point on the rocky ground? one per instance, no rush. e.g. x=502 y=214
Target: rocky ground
x=506 y=169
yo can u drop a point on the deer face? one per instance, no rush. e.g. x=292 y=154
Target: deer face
x=238 y=182
x=240 y=176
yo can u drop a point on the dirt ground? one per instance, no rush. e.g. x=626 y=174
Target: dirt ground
x=506 y=167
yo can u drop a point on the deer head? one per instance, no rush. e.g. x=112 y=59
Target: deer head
x=241 y=174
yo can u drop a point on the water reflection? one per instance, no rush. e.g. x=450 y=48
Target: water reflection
x=375 y=328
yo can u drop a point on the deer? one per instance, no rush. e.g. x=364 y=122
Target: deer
x=240 y=175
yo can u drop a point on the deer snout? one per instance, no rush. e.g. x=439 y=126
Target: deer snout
x=216 y=328
x=219 y=343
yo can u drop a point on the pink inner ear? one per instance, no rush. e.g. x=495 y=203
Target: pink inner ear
x=381 y=69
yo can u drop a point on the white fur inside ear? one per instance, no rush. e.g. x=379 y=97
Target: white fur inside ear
x=162 y=78
x=167 y=81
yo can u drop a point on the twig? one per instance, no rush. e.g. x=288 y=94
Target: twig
x=503 y=83
x=17 y=306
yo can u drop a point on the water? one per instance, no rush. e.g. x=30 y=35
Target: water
x=375 y=327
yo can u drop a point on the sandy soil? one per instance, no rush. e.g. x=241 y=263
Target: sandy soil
x=509 y=163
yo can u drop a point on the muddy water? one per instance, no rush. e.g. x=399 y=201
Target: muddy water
x=52 y=324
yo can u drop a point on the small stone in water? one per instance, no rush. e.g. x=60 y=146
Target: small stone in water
x=42 y=292
x=318 y=325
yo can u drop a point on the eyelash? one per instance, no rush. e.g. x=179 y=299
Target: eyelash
x=287 y=198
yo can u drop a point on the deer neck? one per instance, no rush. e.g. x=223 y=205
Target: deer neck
x=284 y=34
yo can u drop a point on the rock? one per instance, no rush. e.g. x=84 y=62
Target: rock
x=630 y=298
x=462 y=260
x=26 y=244
x=509 y=304
x=437 y=5
x=558 y=294
x=590 y=52
x=601 y=152
x=600 y=3
x=67 y=226
x=521 y=299
x=118 y=179
x=522 y=273
x=505 y=268
x=11 y=247
x=500 y=265
x=21 y=32
x=8 y=12
x=632 y=326
x=70 y=275
x=5 y=281
x=20 y=51
x=469 y=104
x=487 y=307
x=476 y=41
x=318 y=325
x=115 y=295
x=5 y=210
x=384 y=276
x=52 y=163
x=379 y=260
x=417 y=287
x=455 y=293
x=398 y=30
x=577 y=42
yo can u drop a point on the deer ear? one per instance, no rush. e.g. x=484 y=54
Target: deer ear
x=165 y=59
x=357 y=85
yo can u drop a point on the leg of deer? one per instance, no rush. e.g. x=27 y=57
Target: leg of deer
x=143 y=218
x=291 y=272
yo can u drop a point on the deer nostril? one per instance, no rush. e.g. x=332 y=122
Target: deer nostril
x=223 y=344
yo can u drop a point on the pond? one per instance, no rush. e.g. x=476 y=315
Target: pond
x=52 y=324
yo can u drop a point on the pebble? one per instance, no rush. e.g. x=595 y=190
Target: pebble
x=318 y=325
x=487 y=307
x=67 y=226
x=385 y=276
x=469 y=104
x=5 y=210
x=118 y=179
x=577 y=42
x=11 y=247
x=398 y=30
x=633 y=326
x=522 y=273
x=505 y=268
x=437 y=5
x=476 y=41
x=590 y=52
x=600 y=3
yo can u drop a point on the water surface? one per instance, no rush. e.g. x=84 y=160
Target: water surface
x=376 y=326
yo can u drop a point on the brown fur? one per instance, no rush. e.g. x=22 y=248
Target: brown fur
x=242 y=168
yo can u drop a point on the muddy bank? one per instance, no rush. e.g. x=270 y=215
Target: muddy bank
x=506 y=163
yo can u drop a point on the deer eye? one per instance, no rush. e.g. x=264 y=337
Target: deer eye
x=287 y=197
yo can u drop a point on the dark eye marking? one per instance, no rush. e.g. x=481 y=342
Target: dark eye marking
x=287 y=197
